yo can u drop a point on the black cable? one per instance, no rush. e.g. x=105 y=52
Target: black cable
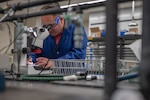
x=9 y=32
x=3 y=48
x=42 y=70
x=15 y=38
x=43 y=67
x=10 y=37
x=69 y=1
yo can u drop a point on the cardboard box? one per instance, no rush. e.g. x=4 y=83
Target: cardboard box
x=133 y=30
x=95 y=32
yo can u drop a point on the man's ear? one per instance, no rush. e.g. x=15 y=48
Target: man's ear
x=61 y=19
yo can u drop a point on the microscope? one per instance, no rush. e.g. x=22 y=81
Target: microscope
x=20 y=51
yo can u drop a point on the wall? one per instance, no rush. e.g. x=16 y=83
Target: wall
x=86 y=26
x=4 y=36
x=98 y=19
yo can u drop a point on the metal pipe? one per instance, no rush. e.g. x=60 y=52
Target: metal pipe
x=145 y=63
x=133 y=23
x=58 y=10
x=20 y=6
x=4 y=1
x=111 y=48
x=17 y=51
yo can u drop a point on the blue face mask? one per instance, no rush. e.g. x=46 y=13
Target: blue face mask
x=49 y=26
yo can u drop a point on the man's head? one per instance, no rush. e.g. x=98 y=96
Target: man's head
x=53 y=22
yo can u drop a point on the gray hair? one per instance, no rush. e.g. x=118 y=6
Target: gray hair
x=51 y=6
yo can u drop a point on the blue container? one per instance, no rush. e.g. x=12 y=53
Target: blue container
x=2 y=82
x=103 y=34
x=122 y=33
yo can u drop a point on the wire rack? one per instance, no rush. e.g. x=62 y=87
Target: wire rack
x=126 y=69
x=91 y=67
x=69 y=67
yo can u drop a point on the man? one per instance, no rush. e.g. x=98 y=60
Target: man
x=59 y=44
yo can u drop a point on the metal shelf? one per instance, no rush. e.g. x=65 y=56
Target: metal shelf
x=126 y=37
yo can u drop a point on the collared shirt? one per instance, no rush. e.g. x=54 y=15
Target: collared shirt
x=57 y=38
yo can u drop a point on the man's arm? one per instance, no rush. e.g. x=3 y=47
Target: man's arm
x=34 y=56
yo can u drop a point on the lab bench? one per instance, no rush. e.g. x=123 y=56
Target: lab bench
x=27 y=90
x=57 y=90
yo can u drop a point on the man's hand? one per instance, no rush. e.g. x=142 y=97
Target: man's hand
x=29 y=61
x=44 y=62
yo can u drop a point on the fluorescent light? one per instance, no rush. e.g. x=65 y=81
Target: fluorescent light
x=82 y=3
x=66 y=6
x=95 y=1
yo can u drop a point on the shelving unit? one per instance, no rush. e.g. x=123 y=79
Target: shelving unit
x=124 y=52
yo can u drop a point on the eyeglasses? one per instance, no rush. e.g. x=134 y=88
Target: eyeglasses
x=49 y=26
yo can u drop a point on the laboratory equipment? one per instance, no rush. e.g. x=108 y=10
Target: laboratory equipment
x=21 y=50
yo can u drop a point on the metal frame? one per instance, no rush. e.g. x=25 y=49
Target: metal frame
x=145 y=63
x=111 y=41
x=111 y=49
